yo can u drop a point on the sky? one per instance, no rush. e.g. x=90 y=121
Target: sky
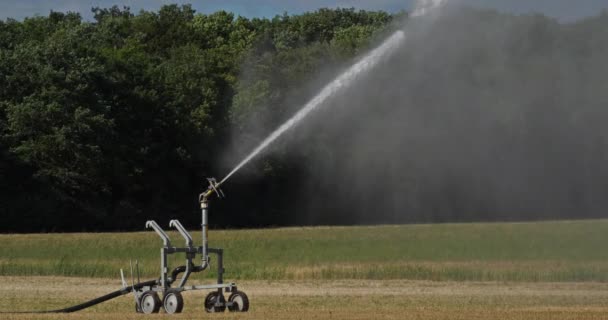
x=565 y=10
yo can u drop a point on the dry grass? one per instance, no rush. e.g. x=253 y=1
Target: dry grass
x=339 y=299
x=525 y=271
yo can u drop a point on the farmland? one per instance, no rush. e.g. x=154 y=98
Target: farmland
x=336 y=299
x=549 y=270
x=549 y=251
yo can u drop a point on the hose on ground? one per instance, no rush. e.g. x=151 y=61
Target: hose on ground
x=96 y=301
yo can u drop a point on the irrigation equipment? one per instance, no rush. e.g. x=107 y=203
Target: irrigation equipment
x=147 y=299
x=147 y=294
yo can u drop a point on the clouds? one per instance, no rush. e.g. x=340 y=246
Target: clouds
x=566 y=10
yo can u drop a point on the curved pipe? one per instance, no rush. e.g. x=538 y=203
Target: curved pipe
x=181 y=269
x=161 y=233
x=177 y=225
x=175 y=273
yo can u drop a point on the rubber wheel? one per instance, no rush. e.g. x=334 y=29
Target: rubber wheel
x=210 y=301
x=173 y=302
x=149 y=302
x=240 y=302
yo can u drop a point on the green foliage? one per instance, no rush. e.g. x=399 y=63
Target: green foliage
x=54 y=120
x=348 y=41
x=121 y=118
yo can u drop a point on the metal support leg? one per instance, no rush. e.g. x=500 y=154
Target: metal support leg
x=220 y=266
x=220 y=273
x=189 y=267
x=220 y=263
x=163 y=268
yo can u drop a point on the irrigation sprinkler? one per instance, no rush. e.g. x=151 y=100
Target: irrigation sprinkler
x=147 y=297
x=147 y=294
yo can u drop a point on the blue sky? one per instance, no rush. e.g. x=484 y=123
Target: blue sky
x=566 y=10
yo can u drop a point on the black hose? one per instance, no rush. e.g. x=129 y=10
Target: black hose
x=96 y=301
x=176 y=272
x=116 y=293
x=181 y=269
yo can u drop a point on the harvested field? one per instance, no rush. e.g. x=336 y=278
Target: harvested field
x=337 y=299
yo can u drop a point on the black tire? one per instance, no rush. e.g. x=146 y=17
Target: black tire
x=173 y=302
x=210 y=301
x=149 y=302
x=240 y=302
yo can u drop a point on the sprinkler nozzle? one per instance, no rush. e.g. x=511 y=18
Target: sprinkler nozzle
x=214 y=187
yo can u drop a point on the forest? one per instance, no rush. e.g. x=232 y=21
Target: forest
x=105 y=124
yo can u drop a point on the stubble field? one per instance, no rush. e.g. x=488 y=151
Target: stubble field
x=336 y=299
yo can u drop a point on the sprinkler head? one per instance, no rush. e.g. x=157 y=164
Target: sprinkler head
x=214 y=187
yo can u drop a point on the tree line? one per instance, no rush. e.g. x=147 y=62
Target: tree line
x=107 y=123
x=110 y=122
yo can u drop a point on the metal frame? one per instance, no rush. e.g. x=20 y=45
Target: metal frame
x=190 y=252
x=164 y=284
x=150 y=289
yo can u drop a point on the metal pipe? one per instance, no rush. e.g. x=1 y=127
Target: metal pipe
x=177 y=225
x=163 y=269
x=186 y=274
x=204 y=226
x=220 y=263
x=204 y=200
x=161 y=233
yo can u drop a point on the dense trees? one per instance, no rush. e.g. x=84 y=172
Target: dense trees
x=107 y=123
x=110 y=122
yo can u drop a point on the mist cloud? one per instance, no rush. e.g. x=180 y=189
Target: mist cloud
x=480 y=116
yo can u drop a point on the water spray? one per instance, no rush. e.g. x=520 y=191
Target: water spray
x=424 y=7
x=368 y=62
x=344 y=80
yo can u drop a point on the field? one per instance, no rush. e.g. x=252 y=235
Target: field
x=336 y=299
x=550 y=270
